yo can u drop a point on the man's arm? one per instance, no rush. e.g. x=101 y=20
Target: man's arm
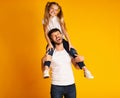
x=74 y=64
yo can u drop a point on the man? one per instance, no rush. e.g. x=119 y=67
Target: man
x=62 y=75
x=72 y=52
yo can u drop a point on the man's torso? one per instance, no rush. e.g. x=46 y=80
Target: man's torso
x=62 y=73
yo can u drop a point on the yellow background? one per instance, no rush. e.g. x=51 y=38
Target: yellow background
x=94 y=30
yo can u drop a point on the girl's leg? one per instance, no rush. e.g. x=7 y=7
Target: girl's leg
x=47 y=62
x=78 y=59
x=80 y=62
x=73 y=53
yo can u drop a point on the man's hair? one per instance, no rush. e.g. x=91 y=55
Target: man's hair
x=52 y=31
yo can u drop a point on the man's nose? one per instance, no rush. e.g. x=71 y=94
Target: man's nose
x=56 y=35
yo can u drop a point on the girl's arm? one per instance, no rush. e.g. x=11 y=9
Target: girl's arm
x=47 y=38
x=66 y=34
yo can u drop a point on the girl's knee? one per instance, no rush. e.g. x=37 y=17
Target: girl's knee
x=48 y=58
x=79 y=58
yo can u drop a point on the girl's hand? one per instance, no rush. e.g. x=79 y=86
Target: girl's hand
x=70 y=46
x=49 y=47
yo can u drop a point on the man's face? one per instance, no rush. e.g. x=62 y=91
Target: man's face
x=56 y=37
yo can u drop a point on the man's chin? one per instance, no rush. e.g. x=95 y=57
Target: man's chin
x=58 y=43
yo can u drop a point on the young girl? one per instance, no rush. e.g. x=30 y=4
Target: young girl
x=53 y=18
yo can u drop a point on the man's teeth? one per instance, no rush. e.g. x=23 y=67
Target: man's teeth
x=58 y=38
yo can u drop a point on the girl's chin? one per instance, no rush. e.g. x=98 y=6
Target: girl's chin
x=53 y=15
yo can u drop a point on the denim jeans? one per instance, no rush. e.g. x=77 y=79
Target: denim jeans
x=72 y=52
x=66 y=91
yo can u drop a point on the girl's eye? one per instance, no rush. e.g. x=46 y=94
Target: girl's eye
x=56 y=10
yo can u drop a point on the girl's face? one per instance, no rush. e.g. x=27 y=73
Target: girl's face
x=54 y=10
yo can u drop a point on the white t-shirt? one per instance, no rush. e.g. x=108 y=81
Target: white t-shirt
x=53 y=23
x=62 y=73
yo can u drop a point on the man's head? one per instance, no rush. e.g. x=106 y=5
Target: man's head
x=55 y=35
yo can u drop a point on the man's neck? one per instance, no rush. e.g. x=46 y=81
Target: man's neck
x=59 y=47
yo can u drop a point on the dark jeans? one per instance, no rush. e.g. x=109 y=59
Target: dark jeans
x=66 y=91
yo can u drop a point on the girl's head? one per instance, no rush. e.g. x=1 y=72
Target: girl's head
x=52 y=9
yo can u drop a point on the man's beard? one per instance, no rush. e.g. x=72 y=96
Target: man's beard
x=56 y=43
